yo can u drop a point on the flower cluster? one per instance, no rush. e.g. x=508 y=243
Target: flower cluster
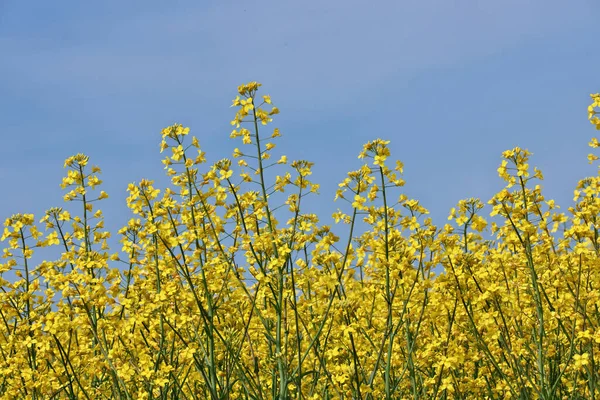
x=228 y=290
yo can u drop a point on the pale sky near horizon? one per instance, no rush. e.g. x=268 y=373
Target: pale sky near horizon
x=451 y=84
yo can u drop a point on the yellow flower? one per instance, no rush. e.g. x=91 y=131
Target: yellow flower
x=581 y=360
x=177 y=153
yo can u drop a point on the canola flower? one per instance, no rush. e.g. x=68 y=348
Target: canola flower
x=230 y=291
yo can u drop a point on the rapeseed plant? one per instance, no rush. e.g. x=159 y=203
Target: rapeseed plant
x=229 y=291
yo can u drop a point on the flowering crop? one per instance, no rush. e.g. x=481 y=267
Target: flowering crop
x=229 y=291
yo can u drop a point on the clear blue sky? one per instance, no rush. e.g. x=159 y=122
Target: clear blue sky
x=452 y=84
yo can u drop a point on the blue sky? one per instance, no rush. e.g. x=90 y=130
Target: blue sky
x=452 y=84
